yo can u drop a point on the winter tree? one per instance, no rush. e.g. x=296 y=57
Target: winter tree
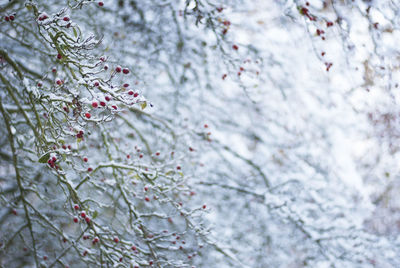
x=199 y=133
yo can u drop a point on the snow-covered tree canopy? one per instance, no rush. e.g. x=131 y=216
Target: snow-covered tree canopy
x=199 y=133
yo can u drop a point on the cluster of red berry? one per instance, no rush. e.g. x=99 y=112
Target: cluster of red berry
x=9 y=18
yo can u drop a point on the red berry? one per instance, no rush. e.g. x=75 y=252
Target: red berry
x=58 y=82
x=235 y=47
x=140 y=156
x=96 y=84
x=204 y=206
x=219 y=9
x=101 y=4
x=133 y=248
x=87 y=219
x=64 y=147
x=87 y=115
x=136 y=94
x=205 y=126
x=7 y=18
x=59 y=56
x=90 y=169
x=125 y=71
x=157 y=153
x=114 y=107
x=76 y=219
x=102 y=103
x=94 y=104
x=130 y=92
x=105 y=67
x=329 y=24
x=95 y=240
x=116 y=239
x=178 y=167
x=147 y=198
x=83 y=214
x=118 y=69
x=13 y=211
x=65 y=19
x=108 y=98
x=44 y=257
x=54 y=70
x=39 y=84
x=76 y=207
x=227 y=23
x=80 y=134
x=43 y=17
x=69 y=147
x=126 y=85
x=146 y=188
